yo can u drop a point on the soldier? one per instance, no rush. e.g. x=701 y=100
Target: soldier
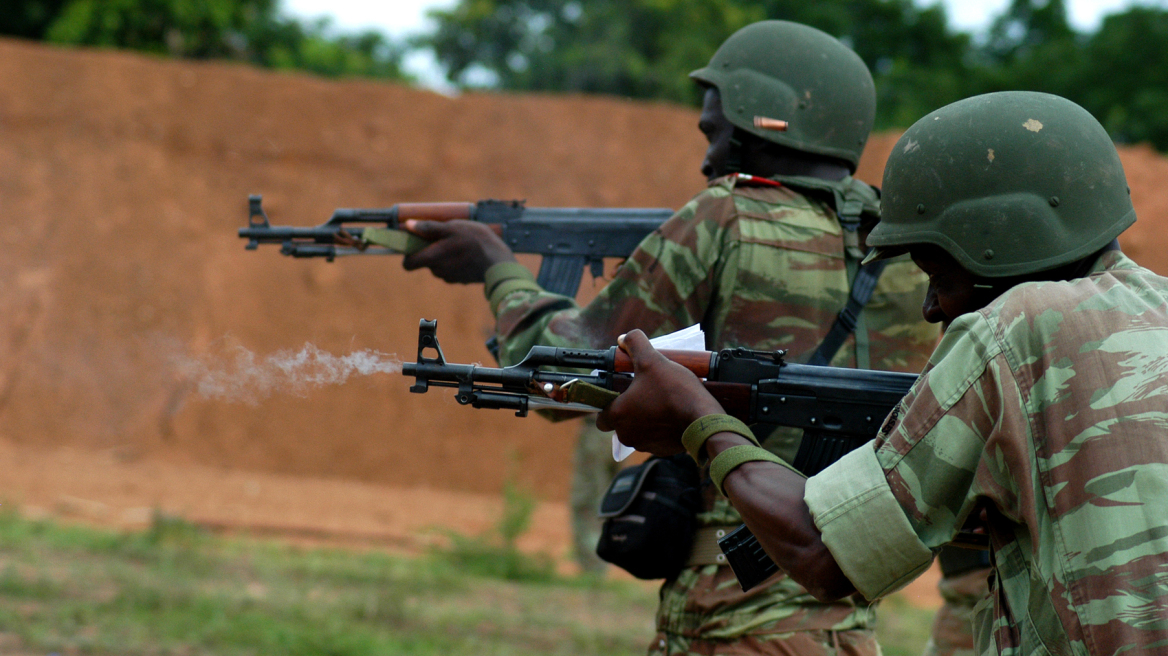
x=592 y=469
x=1044 y=407
x=762 y=260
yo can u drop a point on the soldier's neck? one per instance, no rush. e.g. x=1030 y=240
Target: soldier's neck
x=769 y=167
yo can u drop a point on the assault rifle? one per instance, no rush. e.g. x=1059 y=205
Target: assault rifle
x=569 y=239
x=838 y=409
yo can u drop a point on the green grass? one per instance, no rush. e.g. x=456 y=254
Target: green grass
x=903 y=628
x=175 y=589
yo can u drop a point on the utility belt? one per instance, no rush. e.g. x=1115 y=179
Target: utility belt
x=705 y=549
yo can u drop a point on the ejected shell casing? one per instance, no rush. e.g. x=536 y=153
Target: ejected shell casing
x=765 y=123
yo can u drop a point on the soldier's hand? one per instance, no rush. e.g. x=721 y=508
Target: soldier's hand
x=461 y=251
x=663 y=400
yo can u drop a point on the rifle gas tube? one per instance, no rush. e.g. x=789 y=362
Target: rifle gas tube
x=569 y=239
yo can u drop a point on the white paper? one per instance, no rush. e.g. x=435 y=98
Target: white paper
x=686 y=339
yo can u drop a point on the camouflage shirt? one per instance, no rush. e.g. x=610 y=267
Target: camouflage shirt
x=757 y=266
x=1049 y=409
x=760 y=267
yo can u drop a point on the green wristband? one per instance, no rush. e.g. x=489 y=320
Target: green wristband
x=730 y=459
x=497 y=273
x=694 y=438
x=506 y=277
x=506 y=287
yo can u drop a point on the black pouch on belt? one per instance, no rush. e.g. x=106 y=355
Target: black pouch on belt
x=650 y=515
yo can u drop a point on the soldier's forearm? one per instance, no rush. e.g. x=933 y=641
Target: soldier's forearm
x=770 y=499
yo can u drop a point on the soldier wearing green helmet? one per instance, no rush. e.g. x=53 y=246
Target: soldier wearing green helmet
x=1004 y=208
x=1043 y=409
x=821 y=88
x=764 y=257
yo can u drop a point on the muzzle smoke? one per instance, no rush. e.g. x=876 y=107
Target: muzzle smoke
x=246 y=377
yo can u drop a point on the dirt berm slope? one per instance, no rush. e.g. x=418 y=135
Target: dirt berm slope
x=123 y=180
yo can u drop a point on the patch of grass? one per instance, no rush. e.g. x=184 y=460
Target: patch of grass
x=902 y=628
x=496 y=554
x=175 y=589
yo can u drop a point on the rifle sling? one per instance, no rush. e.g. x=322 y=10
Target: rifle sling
x=845 y=321
x=851 y=199
x=399 y=241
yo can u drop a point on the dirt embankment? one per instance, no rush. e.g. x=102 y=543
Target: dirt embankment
x=123 y=180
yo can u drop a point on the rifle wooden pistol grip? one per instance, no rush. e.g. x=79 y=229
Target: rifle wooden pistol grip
x=765 y=123
x=434 y=211
x=696 y=361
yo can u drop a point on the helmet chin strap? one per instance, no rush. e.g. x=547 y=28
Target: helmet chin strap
x=734 y=153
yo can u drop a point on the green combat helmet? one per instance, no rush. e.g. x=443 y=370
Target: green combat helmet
x=1008 y=183
x=795 y=73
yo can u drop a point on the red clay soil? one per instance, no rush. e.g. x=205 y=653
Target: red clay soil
x=123 y=180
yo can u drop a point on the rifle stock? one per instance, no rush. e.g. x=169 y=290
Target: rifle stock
x=569 y=239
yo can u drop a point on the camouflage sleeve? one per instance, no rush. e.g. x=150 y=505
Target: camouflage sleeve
x=664 y=286
x=884 y=510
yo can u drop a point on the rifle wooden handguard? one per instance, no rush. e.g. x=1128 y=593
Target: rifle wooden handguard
x=434 y=211
x=696 y=361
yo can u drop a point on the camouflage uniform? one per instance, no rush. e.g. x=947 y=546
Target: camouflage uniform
x=761 y=267
x=1048 y=408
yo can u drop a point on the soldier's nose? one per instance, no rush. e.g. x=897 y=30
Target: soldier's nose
x=931 y=307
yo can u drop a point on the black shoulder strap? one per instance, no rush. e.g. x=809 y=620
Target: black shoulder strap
x=851 y=199
x=845 y=321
